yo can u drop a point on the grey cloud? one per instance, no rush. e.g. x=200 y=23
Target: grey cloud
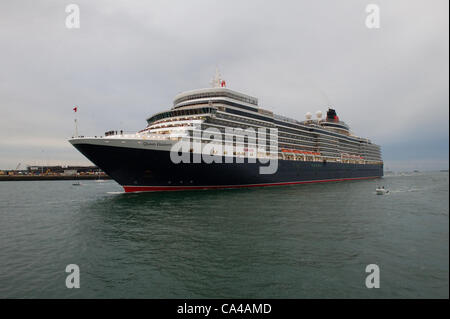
x=130 y=58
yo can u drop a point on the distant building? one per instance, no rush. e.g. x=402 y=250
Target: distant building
x=69 y=172
x=63 y=170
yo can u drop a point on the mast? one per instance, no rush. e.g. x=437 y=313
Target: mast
x=76 y=127
x=75 y=109
x=217 y=80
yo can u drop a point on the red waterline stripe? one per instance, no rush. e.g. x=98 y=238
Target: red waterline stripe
x=130 y=189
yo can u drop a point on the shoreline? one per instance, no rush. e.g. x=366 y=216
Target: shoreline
x=9 y=178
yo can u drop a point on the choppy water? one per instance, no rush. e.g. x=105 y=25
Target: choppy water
x=305 y=241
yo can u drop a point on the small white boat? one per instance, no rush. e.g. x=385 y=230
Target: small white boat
x=381 y=191
x=76 y=184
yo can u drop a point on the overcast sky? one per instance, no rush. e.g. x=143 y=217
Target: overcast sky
x=129 y=59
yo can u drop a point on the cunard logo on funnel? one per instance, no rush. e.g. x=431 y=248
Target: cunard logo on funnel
x=227 y=146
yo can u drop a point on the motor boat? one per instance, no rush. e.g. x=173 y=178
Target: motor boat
x=381 y=191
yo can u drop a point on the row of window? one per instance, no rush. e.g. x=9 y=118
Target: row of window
x=245 y=99
x=248 y=120
x=350 y=147
x=202 y=110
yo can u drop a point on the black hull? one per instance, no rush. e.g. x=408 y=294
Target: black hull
x=153 y=170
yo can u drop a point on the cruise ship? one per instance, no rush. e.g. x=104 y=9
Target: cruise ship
x=321 y=148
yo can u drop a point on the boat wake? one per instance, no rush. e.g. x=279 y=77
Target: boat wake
x=407 y=190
